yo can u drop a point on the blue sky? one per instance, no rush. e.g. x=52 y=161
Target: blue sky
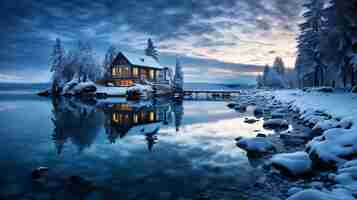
x=220 y=41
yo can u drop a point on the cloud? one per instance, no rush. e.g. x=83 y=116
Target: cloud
x=205 y=32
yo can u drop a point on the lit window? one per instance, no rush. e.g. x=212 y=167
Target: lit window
x=151 y=74
x=136 y=72
x=115 y=117
x=136 y=118
x=152 y=116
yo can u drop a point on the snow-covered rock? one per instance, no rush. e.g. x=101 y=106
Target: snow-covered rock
x=295 y=164
x=256 y=145
x=334 y=147
x=74 y=87
x=313 y=194
x=276 y=124
x=324 y=125
x=346 y=175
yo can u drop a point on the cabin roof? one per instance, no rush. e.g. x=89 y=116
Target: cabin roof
x=141 y=60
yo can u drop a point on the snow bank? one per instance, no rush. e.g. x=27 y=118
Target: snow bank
x=297 y=163
x=256 y=145
x=112 y=91
x=74 y=87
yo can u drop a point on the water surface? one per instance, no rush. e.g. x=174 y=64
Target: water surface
x=129 y=150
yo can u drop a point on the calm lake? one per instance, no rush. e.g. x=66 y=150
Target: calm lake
x=156 y=149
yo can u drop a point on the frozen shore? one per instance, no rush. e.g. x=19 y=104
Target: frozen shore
x=333 y=147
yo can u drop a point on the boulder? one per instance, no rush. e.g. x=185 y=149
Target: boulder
x=250 y=120
x=294 y=164
x=40 y=172
x=276 y=124
x=232 y=105
x=258 y=145
x=45 y=93
x=258 y=111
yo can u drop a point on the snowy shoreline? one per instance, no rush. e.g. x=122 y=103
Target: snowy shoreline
x=314 y=161
x=332 y=117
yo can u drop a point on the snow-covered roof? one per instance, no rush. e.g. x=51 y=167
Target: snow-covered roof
x=142 y=60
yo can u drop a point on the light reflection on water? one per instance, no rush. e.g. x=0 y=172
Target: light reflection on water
x=135 y=147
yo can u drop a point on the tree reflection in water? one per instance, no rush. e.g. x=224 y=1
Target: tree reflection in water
x=80 y=122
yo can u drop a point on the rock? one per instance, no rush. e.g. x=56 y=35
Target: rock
x=294 y=190
x=250 y=120
x=294 y=164
x=80 y=185
x=261 y=135
x=276 y=124
x=238 y=138
x=45 y=93
x=39 y=173
x=256 y=146
x=232 y=105
x=258 y=111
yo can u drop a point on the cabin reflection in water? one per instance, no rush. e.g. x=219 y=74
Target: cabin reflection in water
x=125 y=119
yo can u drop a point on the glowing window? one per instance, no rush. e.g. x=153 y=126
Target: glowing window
x=152 y=116
x=136 y=72
x=151 y=74
x=136 y=118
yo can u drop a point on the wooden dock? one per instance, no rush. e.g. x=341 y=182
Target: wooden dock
x=210 y=94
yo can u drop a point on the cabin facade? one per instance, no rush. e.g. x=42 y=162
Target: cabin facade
x=129 y=68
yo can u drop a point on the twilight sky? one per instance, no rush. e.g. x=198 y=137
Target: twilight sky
x=220 y=41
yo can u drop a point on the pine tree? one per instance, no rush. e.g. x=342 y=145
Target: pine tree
x=342 y=21
x=178 y=78
x=279 y=66
x=151 y=50
x=57 y=66
x=309 y=39
x=265 y=74
x=108 y=60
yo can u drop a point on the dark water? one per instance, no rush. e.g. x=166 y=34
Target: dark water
x=129 y=150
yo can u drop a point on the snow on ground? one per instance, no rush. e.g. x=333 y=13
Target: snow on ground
x=341 y=105
x=297 y=163
x=122 y=91
x=112 y=91
x=334 y=115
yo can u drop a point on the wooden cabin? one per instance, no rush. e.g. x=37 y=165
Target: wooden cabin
x=129 y=68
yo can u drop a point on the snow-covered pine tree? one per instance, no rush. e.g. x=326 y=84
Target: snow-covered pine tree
x=87 y=68
x=265 y=74
x=342 y=22
x=108 y=60
x=151 y=50
x=178 y=78
x=57 y=66
x=279 y=66
x=309 y=39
